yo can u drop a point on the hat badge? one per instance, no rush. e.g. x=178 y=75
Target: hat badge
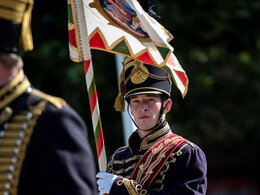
x=139 y=73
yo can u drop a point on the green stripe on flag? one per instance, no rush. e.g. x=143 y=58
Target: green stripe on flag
x=122 y=48
x=168 y=70
x=70 y=18
x=163 y=51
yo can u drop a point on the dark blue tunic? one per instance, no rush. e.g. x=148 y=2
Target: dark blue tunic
x=183 y=173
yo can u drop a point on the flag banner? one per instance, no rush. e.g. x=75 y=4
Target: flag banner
x=122 y=27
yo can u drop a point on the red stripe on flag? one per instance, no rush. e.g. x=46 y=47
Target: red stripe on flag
x=86 y=65
x=182 y=77
x=100 y=142
x=96 y=41
x=72 y=38
x=145 y=58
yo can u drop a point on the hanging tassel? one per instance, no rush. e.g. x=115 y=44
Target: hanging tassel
x=26 y=27
x=120 y=101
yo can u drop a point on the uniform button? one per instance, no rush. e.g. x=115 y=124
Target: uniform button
x=10 y=176
x=14 y=159
x=2 y=133
x=29 y=90
x=18 y=141
x=16 y=150
x=29 y=115
x=6 y=192
x=7 y=185
x=25 y=125
x=21 y=134
x=11 y=167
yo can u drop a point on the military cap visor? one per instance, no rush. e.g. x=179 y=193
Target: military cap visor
x=143 y=93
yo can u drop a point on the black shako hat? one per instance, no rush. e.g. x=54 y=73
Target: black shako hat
x=138 y=78
x=15 y=26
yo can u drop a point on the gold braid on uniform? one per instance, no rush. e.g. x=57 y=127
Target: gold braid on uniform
x=132 y=187
x=17 y=129
x=113 y=162
x=14 y=140
x=170 y=162
x=19 y=11
x=14 y=89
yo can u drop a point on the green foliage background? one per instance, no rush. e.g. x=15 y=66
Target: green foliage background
x=217 y=42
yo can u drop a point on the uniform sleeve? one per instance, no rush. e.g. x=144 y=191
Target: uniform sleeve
x=64 y=153
x=186 y=175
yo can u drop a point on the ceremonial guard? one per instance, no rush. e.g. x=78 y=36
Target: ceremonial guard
x=156 y=161
x=43 y=141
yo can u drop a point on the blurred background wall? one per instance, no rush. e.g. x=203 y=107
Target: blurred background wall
x=218 y=44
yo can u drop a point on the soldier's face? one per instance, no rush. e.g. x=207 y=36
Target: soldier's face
x=146 y=110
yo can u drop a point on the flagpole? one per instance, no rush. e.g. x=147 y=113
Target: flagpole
x=95 y=115
x=80 y=50
x=128 y=125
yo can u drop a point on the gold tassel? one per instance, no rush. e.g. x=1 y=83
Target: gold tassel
x=120 y=101
x=26 y=28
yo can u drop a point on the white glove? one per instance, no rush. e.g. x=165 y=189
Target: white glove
x=105 y=182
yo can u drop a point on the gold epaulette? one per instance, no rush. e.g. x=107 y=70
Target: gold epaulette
x=14 y=139
x=56 y=101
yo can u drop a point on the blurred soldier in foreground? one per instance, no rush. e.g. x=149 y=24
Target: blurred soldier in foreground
x=156 y=161
x=43 y=142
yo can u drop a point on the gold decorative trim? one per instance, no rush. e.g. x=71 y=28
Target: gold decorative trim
x=56 y=101
x=5 y=114
x=14 y=89
x=172 y=159
x=14 y=141
x=144 y=145
x=132 y=187
x=139 y=74
x=12 y=10
x=124 y=170
x=113 y=162
x=141 y=70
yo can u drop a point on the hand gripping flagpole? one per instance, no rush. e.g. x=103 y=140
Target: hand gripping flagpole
x=80 y=51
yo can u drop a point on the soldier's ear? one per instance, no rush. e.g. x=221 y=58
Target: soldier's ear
x=167 y=105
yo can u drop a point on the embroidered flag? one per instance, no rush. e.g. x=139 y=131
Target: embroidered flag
x=122 y=27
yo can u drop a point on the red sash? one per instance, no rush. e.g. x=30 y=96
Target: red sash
x=154 y=158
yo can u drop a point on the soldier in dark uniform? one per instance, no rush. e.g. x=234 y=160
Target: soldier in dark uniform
x=156 y=161
x=43 y=141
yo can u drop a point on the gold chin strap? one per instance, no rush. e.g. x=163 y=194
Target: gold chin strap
x=19 y=11
x=14 y=89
